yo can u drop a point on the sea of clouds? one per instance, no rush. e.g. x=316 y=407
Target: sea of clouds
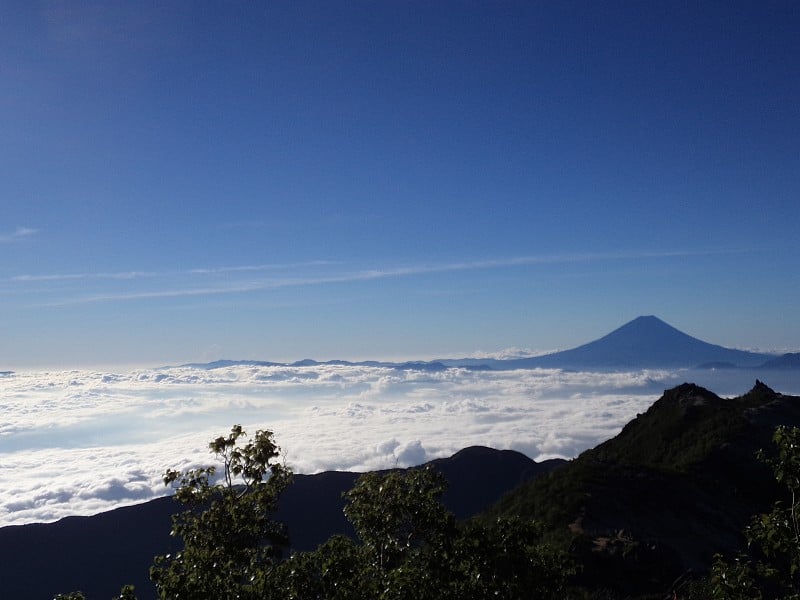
x=81 y=442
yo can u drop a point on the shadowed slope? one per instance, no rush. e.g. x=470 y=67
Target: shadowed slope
x=678 y=484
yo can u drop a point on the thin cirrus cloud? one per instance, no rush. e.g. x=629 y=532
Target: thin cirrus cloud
x=19 y=234
x=266 y=267
x=238 y=287
x=81 y=442
x=124 y=275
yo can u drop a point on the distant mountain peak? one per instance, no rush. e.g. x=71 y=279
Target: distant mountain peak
x=647 y=322
x=646 y=341
x=647 y=318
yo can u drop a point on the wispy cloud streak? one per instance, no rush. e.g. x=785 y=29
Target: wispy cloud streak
x=19 y=234
x=84 y=276
x=266 y=267
x=127 y=275
x=357 y=276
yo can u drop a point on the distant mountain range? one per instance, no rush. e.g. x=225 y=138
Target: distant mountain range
x=645 y=342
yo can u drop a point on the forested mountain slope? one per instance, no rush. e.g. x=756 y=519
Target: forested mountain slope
x=679 y=483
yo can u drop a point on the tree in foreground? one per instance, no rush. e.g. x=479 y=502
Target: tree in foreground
x=126 y=593
x=771 y=568
x=411 y=548
x=231 y=542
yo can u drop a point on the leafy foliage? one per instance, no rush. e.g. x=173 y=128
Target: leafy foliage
x=126 y=593
x=231 y=542
x=398 y=513
x=409 y=546
x=771 y=570
x=412 y=548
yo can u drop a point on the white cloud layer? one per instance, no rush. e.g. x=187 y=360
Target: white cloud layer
x=80 y=442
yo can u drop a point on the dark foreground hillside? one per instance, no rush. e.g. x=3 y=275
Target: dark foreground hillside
x=677 y=485
x=99 y=554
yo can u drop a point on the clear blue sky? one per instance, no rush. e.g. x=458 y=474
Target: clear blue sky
x=185 y=181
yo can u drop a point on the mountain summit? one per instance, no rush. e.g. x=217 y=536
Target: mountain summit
x=646 y=341
x=677 y=485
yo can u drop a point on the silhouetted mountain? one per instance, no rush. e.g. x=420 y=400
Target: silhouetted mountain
x=99 y=554
x=679 y=483
x=310 y=362
x=220 y=364
x=643 y=342
x=790 y=360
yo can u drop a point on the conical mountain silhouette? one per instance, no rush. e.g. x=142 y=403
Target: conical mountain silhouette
x=646 y=341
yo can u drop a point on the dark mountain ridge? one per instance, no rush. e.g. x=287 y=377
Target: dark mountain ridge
x=309 y=362
x=790 y=360
x=677 y=485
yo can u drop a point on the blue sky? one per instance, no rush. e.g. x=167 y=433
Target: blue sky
x=188 y=181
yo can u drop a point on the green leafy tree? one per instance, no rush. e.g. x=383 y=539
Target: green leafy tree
x=231 y=542
x=412 y=548
x=334 y=571
x=126 y=593
x=397 y=514
x=771 y=568
x=507 y=560
x=409 y=546
x=402 y=524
